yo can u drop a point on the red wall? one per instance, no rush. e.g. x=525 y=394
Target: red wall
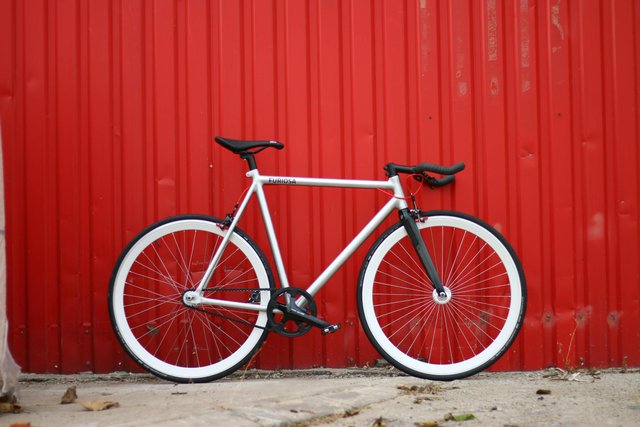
x=108 y=111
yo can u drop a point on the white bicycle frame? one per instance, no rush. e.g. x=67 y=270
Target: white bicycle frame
x=397 y=201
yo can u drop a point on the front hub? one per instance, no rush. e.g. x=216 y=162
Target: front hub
x=442 y=299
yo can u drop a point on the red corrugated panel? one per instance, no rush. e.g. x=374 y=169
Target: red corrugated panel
x=109 y=109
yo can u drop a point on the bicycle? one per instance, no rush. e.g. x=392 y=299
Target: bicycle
x=441 y=295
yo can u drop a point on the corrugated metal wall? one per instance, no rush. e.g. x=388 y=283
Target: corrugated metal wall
x=108 y=111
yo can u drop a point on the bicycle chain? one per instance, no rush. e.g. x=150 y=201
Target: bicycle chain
x=243 y=322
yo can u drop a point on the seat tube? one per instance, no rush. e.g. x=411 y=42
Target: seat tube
x=271 y=234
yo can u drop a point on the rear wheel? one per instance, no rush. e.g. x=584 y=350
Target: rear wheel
x=442 y=338
x=164 y=335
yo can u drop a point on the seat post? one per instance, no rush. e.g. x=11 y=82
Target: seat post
x=250 y=160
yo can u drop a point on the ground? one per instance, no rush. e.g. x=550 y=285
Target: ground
x=337 y=397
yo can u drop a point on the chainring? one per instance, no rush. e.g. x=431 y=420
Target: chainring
x=280 y=319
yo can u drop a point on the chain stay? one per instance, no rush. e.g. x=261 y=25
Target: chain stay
x=243 y=322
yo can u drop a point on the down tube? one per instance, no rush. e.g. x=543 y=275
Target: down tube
x=351 y=247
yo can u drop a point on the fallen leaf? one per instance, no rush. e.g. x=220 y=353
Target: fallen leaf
x=415 y=389
x=421 y=399
x=99 y=405
x=69 y=396
x=543 y=391
x=27 y=424
x=351 y=412
x=462 y=417
x=10 y=408
x=427 y=423
x=379 y=422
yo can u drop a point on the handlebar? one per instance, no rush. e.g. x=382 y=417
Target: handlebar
x=420 y=172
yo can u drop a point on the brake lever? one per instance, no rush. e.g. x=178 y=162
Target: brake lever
x=426 y=179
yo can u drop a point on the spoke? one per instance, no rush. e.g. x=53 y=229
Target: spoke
x=470 y=313
x=235 y=325
x=182 y=347
x=464 y=257
x=408 y=325
x=203 y=323
x=416 y=286
x=453 y=310
x=484 y=303
x=472 y=289
x=166 y=333
x=418 y=291
x=214 y=335
x=412 y=295
x=146 y=290
x=223 y=260
x=193 y=340
x=466 y=278
x=161 y=319
x=418 y=271
x=154 y=307
x=164 y=266
x=210 y=326
x=409 y=270
x=455 y=258
x=447 y=263
x=446 y=332
x=145 y=301
x=235 y=268
x=167 y=277
x=168 y=281
x=174 y=315
x=413 y=256
x=418 y=304
x=412 y=330
x=433 y=337
x=464 y=273
x=410 y=311
x=470 y=321
x=227 y=287
x=469 y=308
x=470 y=285
x=235 y=281
x=181 y=264
x=193 y=245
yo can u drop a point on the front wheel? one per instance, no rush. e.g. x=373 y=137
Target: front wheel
x=435 y=337
x=147 y=303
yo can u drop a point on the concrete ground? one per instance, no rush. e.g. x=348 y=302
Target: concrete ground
x=337 y=397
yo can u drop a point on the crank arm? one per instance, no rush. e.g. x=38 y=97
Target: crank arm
x=297 y=314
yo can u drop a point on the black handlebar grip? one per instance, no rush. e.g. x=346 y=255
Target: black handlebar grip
x=442 y=170
x=440 y=182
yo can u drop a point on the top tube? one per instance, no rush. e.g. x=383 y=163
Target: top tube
x=322 y=182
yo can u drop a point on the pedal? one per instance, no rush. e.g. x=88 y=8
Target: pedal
x=330 y=329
